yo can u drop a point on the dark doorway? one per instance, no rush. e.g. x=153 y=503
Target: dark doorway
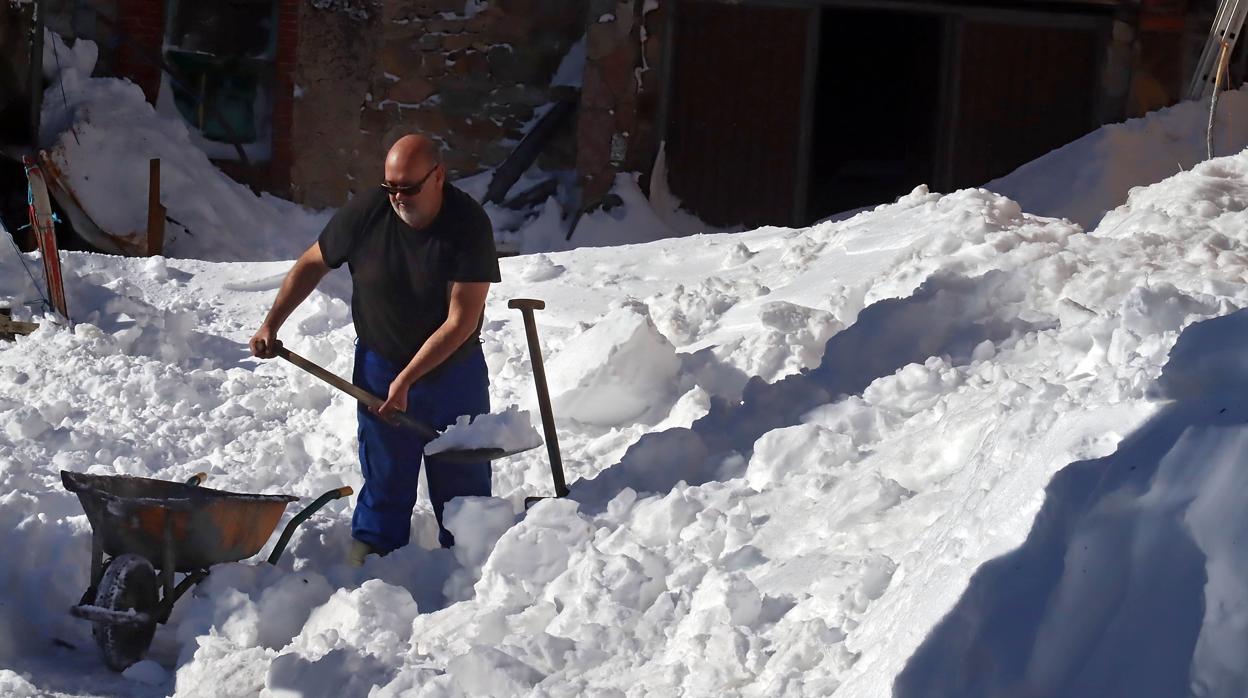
x=877 y=108
x=788 y=113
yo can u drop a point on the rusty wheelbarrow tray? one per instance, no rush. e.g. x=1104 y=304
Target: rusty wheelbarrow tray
x=140 y=525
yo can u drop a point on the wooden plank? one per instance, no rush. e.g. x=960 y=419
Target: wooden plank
x=45 y=235
x=734 y=125
x=155 y=211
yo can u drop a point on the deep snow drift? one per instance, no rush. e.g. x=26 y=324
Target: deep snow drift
x=1087 y=178
x=920 y=373
x=944 y=446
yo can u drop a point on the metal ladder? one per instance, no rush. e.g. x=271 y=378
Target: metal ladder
x=1226 y=27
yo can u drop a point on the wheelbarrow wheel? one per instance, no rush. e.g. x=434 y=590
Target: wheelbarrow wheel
x=128 y=583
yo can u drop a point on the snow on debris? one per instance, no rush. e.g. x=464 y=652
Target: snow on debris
x=102 y=133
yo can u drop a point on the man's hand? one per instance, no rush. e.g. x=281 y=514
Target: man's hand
x=265 y=343
x=299 y=282
x=396 y=400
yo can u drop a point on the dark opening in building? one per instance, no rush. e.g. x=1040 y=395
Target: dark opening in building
x=784 y=114
x=223 y=53
x=877 y=93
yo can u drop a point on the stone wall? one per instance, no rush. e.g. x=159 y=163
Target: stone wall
x=466 y=72
x=336 y=56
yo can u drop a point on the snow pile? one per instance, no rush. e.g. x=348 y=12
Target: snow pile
x=796 y=532
x=615 y=371
x=944 y=446
x=103 y=132
x=1092 y=175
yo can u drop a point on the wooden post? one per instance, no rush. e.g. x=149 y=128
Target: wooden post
x=155 y=211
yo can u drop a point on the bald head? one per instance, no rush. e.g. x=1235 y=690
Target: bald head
x=413 y=150
x=414 y=168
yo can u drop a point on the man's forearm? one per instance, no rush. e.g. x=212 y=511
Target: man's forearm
x=299 y=282
x=438 y=348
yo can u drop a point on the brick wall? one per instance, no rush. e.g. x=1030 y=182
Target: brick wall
x=142 y=24
x=469 y=75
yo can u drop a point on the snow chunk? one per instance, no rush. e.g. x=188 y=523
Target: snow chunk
x=376 y=617
x=26 y=424
x=14 y=685
x=531 y=554
x=220 y=667
x=541 y=268
x=510 y=430
x=485 y=671
x=795 y=451
x=341 y=672
x=477 y=523
x=616 y=371
x=146 y=671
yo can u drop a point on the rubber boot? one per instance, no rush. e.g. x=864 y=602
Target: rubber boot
x=357 y=552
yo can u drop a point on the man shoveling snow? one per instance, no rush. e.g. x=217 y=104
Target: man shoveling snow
x=421 y=256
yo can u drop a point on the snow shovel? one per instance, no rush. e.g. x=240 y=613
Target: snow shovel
x=526 y=306
x=424 y=429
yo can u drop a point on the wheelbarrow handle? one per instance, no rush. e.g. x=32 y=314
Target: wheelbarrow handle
x=426 y=431
x=302 y=516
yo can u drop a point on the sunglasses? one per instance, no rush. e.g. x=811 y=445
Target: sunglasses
x=407 y=189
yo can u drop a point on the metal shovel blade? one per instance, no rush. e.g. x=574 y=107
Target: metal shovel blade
x=474 y=455
x=424 y=429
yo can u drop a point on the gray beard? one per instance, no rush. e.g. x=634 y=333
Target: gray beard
x=406 y=215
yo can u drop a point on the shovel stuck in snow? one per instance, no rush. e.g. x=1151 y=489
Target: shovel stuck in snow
x=526 y=306
x=424 y=429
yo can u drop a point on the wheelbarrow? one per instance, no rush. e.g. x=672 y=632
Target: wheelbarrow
x=140 y=525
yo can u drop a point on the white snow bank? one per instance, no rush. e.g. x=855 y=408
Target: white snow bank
x=1090 y=176
x=785 y=516
x=103 y=132
x=615 y=371
x=1132 y=580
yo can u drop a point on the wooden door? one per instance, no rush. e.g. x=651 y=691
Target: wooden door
x=738 y=111
x=1023 y=90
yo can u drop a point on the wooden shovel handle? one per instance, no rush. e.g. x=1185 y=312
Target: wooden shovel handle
x=368 y=399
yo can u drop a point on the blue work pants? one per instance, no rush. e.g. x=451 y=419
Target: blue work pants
x=391 y=455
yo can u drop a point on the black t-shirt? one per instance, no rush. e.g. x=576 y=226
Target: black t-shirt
x=400 y=277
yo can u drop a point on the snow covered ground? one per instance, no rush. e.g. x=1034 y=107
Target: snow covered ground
x=941 y=448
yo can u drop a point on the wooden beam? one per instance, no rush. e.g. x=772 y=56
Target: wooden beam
x=155 y=211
